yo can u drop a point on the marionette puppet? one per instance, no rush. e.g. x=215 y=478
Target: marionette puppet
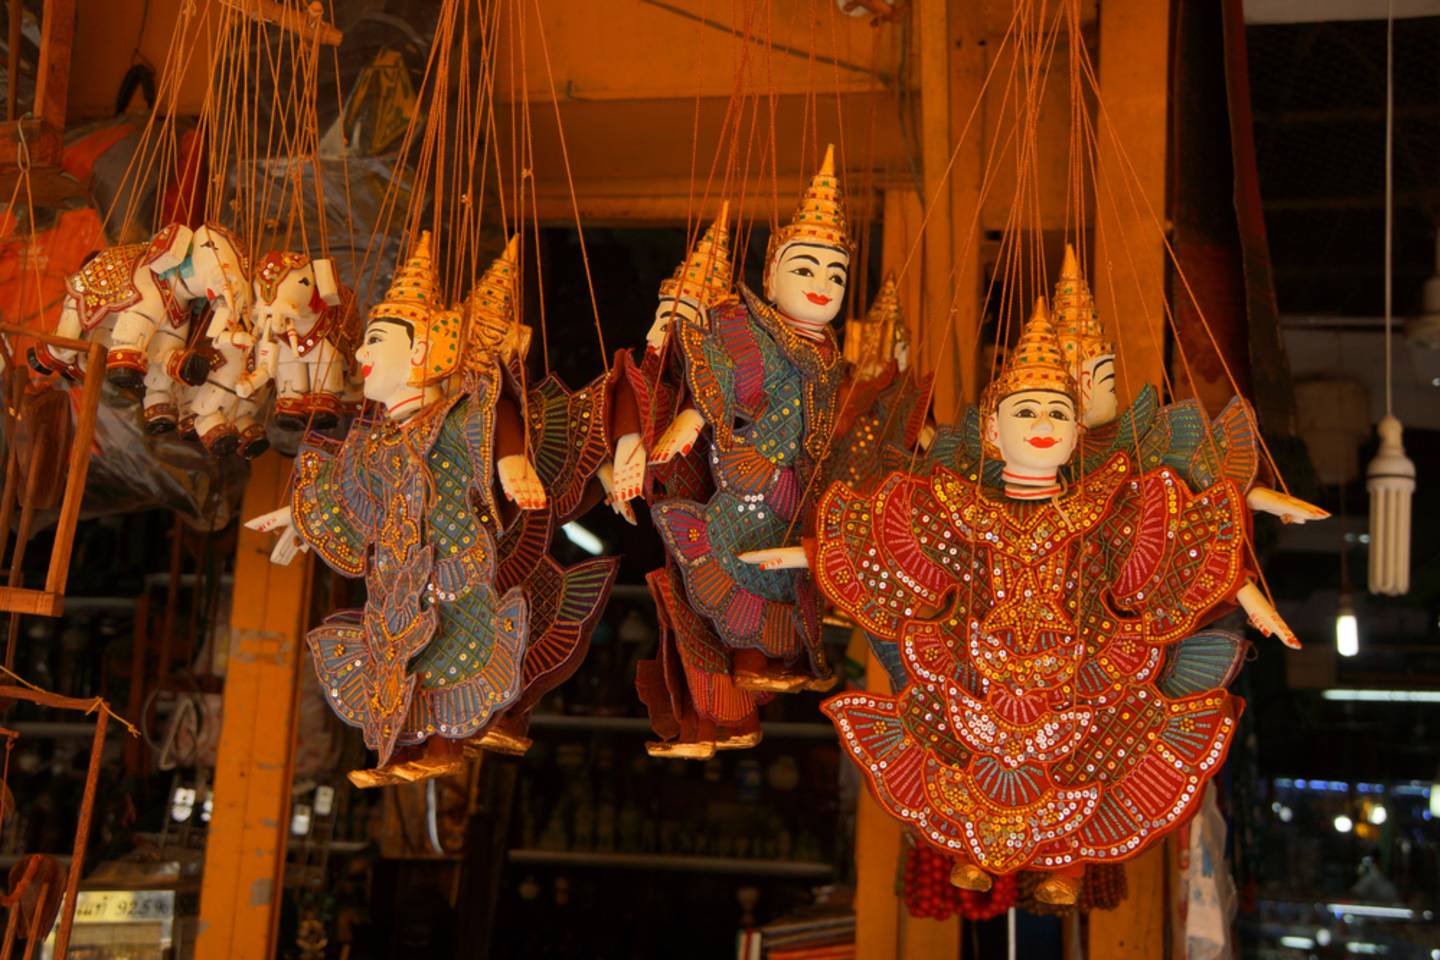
x=885 y=406
x=652 y=390
x=1039 y=728
x=694 y=704
x=566 y=437
x=139 y=300
x=408 y=503
x=299 y=324
x=1178 y=435
x=763 y=377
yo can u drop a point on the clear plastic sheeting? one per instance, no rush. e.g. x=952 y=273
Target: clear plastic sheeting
x=131 y=471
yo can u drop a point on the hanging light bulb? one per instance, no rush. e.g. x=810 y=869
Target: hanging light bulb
x=1391 y=477
x=1347 y=628
x=1391 y=484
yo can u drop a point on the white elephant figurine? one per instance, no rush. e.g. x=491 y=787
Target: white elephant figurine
x=139 y=301
x=298 y=321
x=224 y=407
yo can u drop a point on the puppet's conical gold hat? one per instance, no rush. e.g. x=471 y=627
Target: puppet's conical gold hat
x=1077 y=324
x=869 y=343
x=705 y=275
x=1036 y=363
x=413 y=292
x=820 y=218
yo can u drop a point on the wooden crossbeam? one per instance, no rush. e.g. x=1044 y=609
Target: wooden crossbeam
x=309 y=25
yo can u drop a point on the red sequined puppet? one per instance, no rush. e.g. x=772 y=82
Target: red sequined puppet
x=1036 y=731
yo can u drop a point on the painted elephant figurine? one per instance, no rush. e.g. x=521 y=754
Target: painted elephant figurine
x=224 y=407
x=299 y=317
x=139 y=301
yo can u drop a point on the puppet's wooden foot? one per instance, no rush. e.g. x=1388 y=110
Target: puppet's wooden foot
x=968 y=876
x=437 y=757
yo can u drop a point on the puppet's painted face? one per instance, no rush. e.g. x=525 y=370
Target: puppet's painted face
x=902 y=355
x=667 y=313
x=387 y=354
x=1035 y=430
x=807 y=281
x=1098 y=404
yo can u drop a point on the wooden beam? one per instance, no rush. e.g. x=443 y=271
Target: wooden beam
x=1135 y=930
x=240 y=891
x=308 y=25
x=883 y=927
x=42 y=142
x=662 y=202
x=57 y=40
x=936 y=343
x=1129 y=282
x=877 y=852
x=1128 y=275
x=967 y=43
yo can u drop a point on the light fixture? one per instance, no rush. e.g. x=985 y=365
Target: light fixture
x=1381 y=696
x=1368 y=910
x=1391 y=476
x=583 y=539
x=1347 y=628
x=1344 y=824
x=1377 y=814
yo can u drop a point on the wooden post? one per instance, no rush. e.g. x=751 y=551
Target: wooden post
x=1129 y=271
x=932 y=23
x=877 y=853
x=967 y=42
x=245 y=855
x=1129 y=284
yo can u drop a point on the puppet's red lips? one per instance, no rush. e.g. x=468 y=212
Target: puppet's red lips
x=819 y=299
x=1044 y=443
x=365 y=370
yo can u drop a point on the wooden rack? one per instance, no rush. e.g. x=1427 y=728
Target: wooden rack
x=19 y=490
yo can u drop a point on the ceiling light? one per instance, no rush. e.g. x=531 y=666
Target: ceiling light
x=1344 y=824
x=1347 y=628
x=1377 y=815
x=583 y=539
x=1382 y=696
x=1367 y=910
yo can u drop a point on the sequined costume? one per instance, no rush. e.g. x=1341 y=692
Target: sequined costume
x=886 y=403
x=1178 y=435
x=1042 y=725
x=687 y=687
x=437 y=649
x=769 y=398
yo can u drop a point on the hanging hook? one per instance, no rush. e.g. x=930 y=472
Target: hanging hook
x=22 y=146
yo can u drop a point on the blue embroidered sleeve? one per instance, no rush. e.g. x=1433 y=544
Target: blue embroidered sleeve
x=336 y=503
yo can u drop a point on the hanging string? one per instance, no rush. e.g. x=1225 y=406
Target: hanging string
x=1389 y=193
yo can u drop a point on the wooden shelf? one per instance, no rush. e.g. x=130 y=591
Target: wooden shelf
x=778 y=730
x=674 y=862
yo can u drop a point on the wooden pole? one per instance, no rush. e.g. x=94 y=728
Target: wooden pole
x=932 y=33
x=12 y=69
x=82 y=834
x=1129 y=284
x=967 y=43
x=877 y=854
x=1128 y=276
x=240 y=891
x=52 y=80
